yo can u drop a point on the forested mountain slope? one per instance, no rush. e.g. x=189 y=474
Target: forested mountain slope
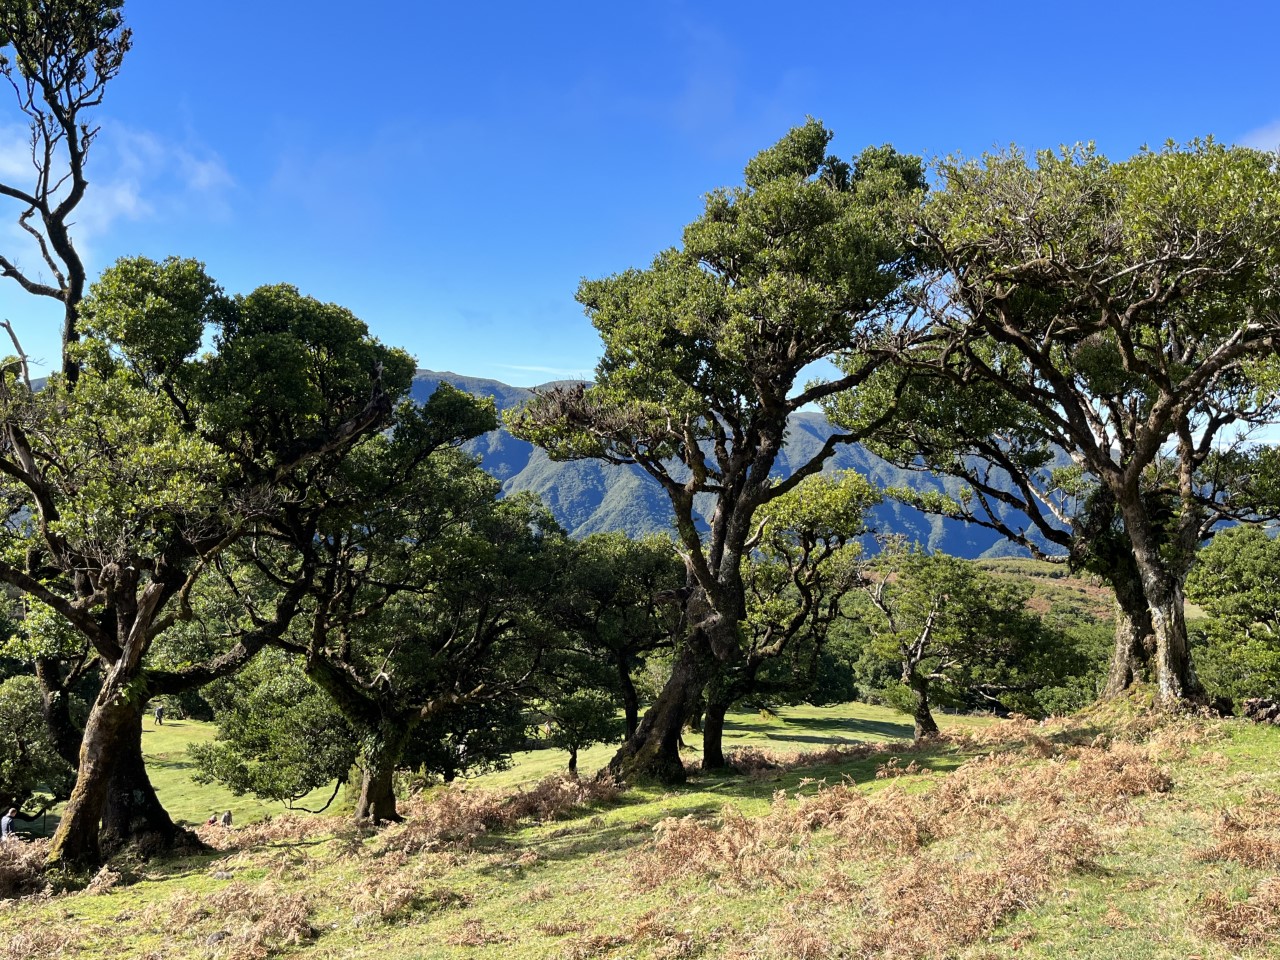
x=588 y=496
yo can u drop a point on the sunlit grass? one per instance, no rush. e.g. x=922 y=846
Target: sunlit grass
x=1093 y=839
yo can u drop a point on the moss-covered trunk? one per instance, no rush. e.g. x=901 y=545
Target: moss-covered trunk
x=75 y=843
x=380 y=757
x=133 y=814
x=653 y=752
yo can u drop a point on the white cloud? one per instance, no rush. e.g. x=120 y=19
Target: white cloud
x=1263 y=138
x=574 y=374
x=137 y=176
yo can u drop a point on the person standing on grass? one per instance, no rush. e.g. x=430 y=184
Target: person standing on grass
x=6 y=825
x=159 y=714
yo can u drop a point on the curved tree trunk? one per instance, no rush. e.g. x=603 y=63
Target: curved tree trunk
x=925 y=725
x=133 y=813
x=713 y=735
x=75 y=843
x=653 y=753
x=55 y=702
x=573 y=762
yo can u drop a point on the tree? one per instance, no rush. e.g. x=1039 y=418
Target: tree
x=806 y=559
x=62 y=54
x=703 y=353
x=159 y=463
x=621 y=598
x=1236 y=580
x=946 y=629
x=579 y=718
x=1121 y=313
x=431 y=595
x=29 y=760
x=279 y=735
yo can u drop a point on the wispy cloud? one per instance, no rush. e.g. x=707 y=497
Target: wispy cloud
x=576 y=373
x=1263 y=138
x=137 y=176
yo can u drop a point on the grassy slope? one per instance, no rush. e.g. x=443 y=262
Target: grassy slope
x=1085 y=840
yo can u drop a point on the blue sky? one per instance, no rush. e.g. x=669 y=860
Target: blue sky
x=449 y=172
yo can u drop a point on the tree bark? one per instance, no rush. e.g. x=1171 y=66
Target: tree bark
x=1135 y=640
x=384 y=746
x=1175 y=678
x=653 y=753
x=926 y=726
x=55 y=700
x=133 y=813
x=630 y=699
x=75 y=843
x=713 y=735
x=573 y=762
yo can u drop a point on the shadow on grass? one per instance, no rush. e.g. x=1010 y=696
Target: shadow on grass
x=850 y=728
x=581 y=837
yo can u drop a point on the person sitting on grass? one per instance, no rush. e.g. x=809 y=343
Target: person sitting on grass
x=6 y=825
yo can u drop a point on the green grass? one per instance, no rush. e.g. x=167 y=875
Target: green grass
x=164 y=748
x=578 y=885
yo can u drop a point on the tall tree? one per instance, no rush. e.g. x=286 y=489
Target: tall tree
x=703 y=357
x=1120 y=313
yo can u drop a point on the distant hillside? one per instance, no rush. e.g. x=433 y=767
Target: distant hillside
x=588 y=496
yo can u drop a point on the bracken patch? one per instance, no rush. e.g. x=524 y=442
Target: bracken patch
x=1253 y=922
x=22 y=868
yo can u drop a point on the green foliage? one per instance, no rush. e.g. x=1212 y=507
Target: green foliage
x=935 y=621
x=279 y=736
x=1236 y=580
x=29 y=763
x=580 y=718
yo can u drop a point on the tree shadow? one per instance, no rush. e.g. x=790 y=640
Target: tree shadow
x=580 y=838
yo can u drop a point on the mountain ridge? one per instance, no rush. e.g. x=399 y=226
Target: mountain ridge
x=590 y=496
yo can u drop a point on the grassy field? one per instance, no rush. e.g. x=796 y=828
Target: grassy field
x=1112 y=835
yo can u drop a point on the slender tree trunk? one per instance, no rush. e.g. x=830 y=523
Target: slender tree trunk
x=133 y=813
x=384 y=747
x=713 y=735
x=75 y=843
x=573 y=762
x=55 y=700
x=1135 y=640
x=926 y=726
x=630 y=699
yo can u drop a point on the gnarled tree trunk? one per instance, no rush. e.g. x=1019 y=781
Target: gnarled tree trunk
x=653 y=752
x=1135 y=639
x=133 y=813
x=1174 y=676
x=384 y=747
x=925 y=725
x=75 y=843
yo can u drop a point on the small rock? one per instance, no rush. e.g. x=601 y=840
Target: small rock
x=222 y=875
x=216 y=937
